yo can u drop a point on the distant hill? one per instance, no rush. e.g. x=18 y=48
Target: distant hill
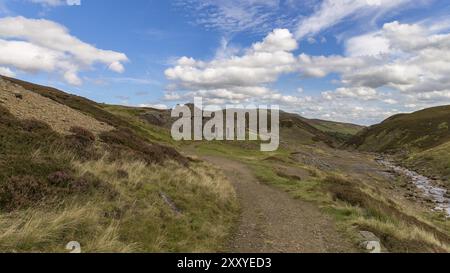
x=421 y=140
x=340 y=132
x=418 y=131
x=294 y=129
x=336 y=127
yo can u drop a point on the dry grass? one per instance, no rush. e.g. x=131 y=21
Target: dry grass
x=137 y=218
x=403 y=237
x=202 y=175
x=41 y=230
x=401 y=229
x=205 y=204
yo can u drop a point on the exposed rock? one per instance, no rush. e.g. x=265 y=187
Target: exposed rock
x=194 y=159
x=170 y=203
x=370 y=242
x=288 y=123
x=368 y=236
x=153 y=118
x=308 y=159
x=18 y=95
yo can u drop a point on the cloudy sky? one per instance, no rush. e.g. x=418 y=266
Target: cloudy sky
x=347 y=60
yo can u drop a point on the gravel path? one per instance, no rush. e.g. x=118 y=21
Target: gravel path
x=272 y=221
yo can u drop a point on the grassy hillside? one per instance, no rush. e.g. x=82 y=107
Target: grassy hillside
x=336 y=127
x=421 y=140
x=293 y=128
x=432 y=162
x=117 y=190
x=341 y=132
x=417 y=131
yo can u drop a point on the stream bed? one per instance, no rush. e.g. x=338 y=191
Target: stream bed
x=425 y=185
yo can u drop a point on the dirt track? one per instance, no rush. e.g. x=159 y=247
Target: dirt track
x=272 y=221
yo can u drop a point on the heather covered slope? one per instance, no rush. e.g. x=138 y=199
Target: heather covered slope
x=112 y=188
x=417 y=131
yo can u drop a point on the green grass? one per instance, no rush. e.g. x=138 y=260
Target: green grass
x=336 y=127
x=137 y=219
x=131 y=115
x=307 y=189
x=431 y=162
x=417 y=131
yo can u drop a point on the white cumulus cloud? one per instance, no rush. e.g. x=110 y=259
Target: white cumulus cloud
x=39 y=45
x=239 y=76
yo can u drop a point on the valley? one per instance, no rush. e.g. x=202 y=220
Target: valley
x=113 y=178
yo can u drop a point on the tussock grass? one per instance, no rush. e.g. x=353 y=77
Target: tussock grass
x=205 y=204
x=403 y=237
x=139 y=173
x=400 y=229
x=396 y=235
x=44 y=230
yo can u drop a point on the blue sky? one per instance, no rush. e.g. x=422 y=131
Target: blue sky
x=348 y=60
